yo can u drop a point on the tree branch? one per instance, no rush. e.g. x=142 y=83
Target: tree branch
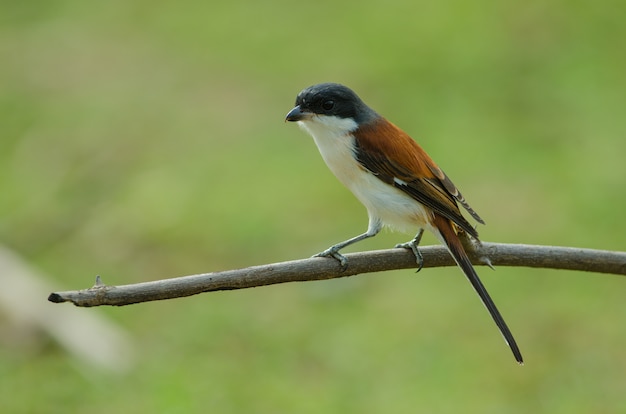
x=599 y=261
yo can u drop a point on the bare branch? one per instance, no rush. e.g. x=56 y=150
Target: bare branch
x=599 y=261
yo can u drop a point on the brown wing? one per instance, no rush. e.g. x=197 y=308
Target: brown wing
x=392 y=156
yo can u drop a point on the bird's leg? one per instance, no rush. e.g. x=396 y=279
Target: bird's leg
x=413 y=246
x=333 y=251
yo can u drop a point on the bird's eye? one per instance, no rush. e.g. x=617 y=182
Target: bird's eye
x=328 y=105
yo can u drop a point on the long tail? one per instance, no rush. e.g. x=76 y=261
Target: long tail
x=452 y=241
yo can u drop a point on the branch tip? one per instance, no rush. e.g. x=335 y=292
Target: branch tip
x=56 y=298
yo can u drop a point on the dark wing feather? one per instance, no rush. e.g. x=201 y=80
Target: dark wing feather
x=451 y=188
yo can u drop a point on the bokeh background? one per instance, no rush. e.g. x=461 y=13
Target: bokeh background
x=142 y=140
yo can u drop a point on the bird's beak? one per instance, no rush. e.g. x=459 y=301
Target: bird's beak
x=297 y=114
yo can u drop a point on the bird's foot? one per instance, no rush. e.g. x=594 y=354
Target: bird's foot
x=334 y=253
x=412 y=245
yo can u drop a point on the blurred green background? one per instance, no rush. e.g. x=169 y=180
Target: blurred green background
x=142 y=140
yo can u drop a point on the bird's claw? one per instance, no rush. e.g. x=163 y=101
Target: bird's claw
x=412 y=245
x=343 y=262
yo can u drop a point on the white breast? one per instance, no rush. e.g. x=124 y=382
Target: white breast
x=383 y=201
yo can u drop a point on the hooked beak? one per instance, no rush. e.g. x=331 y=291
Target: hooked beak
x=297 y=114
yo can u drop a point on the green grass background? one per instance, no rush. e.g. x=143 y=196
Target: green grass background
x=145 y=139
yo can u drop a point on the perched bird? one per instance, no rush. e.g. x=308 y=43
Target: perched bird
x=397 y=182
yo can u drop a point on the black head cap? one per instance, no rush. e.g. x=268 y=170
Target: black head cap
x=334 y=99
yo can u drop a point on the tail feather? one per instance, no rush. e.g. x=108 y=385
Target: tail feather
x=453 y=243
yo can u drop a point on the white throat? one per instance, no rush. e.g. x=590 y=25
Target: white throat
x=333 y=138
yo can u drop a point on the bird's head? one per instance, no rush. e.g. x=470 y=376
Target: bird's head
x=330 y=106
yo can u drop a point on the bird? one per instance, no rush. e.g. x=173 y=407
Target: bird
x=393 y=177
